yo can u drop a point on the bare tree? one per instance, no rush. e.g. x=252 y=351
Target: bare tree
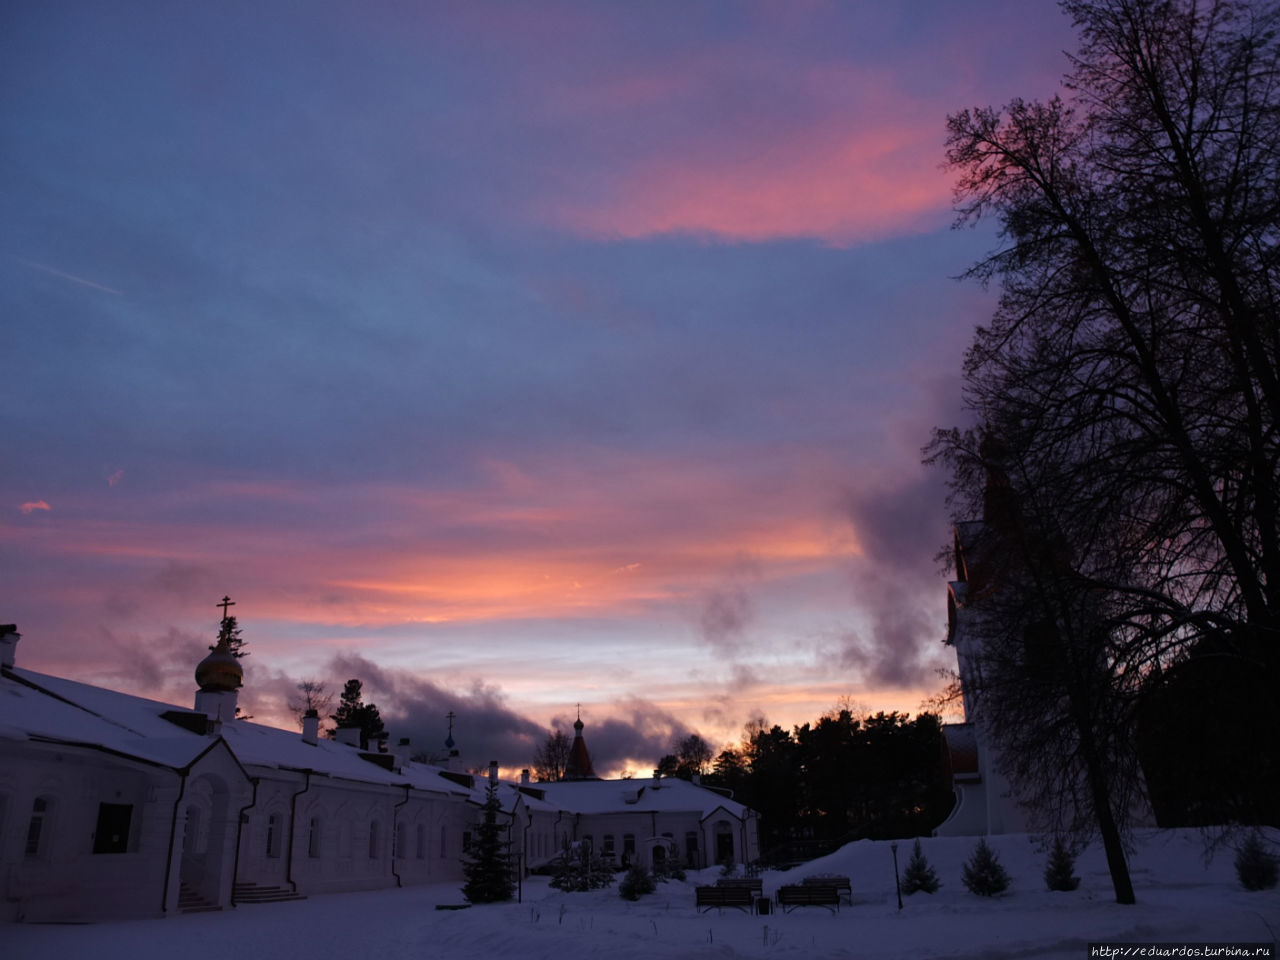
x=551 y=758
x=1130 y=373
x=693 y=756
x=314 y=696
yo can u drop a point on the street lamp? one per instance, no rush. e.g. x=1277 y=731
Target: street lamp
x=896 y=885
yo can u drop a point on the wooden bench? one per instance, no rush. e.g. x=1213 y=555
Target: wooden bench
x=808 y=895
x=842 y=884
x=754 y=884
x=744 y=898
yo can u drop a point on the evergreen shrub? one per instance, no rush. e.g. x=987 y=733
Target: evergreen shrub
x=1255 y=865
x=1058 y=872
x=919 y=875
x=983 y=873
x=636 y=883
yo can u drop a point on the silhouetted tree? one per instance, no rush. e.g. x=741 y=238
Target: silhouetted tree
x=1059 y=871
x=693 y=755
x=314 y=697
x=551 y=758
x=229 y=628
x=1130 y=372
x=982 y=872
x=487 y=864
x=354 y=712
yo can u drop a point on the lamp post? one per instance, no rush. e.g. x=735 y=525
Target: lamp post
x=896 y=885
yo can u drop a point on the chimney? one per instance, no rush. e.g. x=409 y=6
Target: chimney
x=9 y=637
x=402 y=753
x=524 y=777
x=382 y=742
x=348 y=735
x=310 y=726
x=493 y=771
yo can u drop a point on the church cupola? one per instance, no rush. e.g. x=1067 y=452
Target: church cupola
x=219 y=675
x=578 y=766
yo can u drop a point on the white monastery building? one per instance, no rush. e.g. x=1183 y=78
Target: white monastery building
x=115 y=806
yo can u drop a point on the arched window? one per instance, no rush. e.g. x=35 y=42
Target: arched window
x=314 y=836
x=374 y=852
x=38 y=827
x=443 y=848
x=273 y=835
x=422 y=842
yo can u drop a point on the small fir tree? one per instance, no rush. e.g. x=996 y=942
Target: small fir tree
x=577 y=870
x=983 y=873
x=487 y=865
x=919 y=875
x=636 y=883
x=1058 y=872
x=1255 y=865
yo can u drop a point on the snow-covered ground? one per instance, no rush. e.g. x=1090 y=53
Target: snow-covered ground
x=1181 y=897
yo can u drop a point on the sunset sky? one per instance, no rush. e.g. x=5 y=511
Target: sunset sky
x=508 y=356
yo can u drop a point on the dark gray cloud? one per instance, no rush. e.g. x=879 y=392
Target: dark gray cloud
x=896 y=584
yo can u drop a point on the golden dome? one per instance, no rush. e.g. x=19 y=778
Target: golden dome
x=219 y=671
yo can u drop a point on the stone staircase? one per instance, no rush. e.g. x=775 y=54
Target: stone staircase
x=259 y=893
x=189 y=901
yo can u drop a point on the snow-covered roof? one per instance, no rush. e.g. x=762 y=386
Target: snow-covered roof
x=38 y=707
x=622 y=796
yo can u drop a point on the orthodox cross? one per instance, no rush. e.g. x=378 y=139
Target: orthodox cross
x=225 y=602
x=450 y=716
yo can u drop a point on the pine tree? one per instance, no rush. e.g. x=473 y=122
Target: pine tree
x=983 y=873
x=229 y=630
x=636 y=883
x=354 y=712
x=577 y=870
x=487 y=865
x=1255 y=865
x=919 y=875
x=1057 y=874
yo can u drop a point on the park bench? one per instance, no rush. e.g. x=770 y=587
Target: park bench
x=842 y=884
x=754 y=884
x=808 y=895
x=744 y=898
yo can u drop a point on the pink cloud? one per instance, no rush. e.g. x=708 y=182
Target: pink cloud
x=841 y=188
x=115 y=478
x=33 y=505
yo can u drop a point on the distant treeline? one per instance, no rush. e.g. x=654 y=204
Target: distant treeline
x=882 y=777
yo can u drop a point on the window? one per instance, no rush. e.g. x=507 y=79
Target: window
x=628 y=844
x=588 y=841
x=691 y=848
x=37 y=831
x=373 y=841
x=313 y=838
x=607 y=850
x=273 y=835
x=112 y=832
x=422 y=842
x=443 y=853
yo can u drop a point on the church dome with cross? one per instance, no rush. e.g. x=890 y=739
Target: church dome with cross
x=220 y=671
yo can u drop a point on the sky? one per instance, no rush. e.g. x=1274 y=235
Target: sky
x=509 y=357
